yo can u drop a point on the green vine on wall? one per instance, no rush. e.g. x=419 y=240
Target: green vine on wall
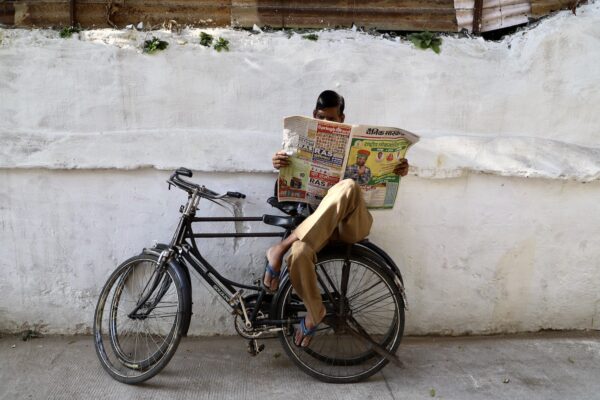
x=155 y=44
x=221 y=44
x=426 y=40
x=311 y=36
x=206 y=40
x=67 y=31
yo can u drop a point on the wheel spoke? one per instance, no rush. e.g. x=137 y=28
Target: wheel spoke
x=363 y=291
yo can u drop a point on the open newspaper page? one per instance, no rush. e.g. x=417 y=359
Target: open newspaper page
x=323 y=152
x=316 y=149
x=374 y=153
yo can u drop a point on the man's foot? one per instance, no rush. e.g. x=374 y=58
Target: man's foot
x=305 y=332
x=274 y=259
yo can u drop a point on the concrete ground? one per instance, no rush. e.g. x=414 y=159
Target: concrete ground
x=542 y=366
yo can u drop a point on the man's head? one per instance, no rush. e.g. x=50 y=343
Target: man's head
x=361 y=157
x=330 y=107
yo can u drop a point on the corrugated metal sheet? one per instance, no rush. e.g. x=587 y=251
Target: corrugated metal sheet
x=403 y=15
x=497 y=14
x=436 y=15
x=98 y=12
x=539 y=8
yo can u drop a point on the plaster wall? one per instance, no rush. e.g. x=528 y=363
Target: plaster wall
x=496 y=228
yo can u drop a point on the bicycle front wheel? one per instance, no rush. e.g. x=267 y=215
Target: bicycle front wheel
x=138 y=319
x=339 y=352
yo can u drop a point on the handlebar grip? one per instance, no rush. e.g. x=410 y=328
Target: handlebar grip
x=184 y=172
x=236 y=195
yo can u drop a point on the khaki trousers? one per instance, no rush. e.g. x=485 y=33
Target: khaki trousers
x=342 y=215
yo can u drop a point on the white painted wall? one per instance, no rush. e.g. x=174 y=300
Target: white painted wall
x=496 y=229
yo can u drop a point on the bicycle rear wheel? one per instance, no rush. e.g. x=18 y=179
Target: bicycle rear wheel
x=339 y=353
x=138 y=319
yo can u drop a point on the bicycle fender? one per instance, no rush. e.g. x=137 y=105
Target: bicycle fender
x=368 y=248
x=183 y=274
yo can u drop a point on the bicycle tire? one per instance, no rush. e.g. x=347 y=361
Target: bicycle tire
x=163 y=286
x=337 y=357
x=134 y=349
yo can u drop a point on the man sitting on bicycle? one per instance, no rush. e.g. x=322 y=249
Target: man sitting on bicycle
x=341 y=215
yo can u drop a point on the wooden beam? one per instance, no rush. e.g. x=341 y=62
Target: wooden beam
x=72 y=12
x=477 y=16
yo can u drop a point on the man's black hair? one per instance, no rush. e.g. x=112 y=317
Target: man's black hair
x=328 y=99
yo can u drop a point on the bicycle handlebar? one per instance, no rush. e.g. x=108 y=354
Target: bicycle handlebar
x=190 y=187
x=236 y=195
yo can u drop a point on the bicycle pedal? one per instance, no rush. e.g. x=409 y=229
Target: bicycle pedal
x=254 y=348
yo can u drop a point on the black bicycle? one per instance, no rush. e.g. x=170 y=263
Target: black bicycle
x=145 y=306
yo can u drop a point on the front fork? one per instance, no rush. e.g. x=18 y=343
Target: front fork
x=152 y=285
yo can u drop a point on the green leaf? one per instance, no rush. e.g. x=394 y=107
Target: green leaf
x=311 y=36
x=67 y=31
x=221 y=44
x=206 y=39
x=154 y=44
x=426 y=40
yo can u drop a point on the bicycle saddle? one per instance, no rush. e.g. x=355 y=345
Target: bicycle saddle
x=283 y=222
x=286 y=207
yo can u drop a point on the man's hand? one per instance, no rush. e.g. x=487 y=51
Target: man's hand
x=402 y=168
x=362 y=170
x=280 y=159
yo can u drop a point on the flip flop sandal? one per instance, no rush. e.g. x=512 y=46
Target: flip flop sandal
x=306 y=332
x=274 y=275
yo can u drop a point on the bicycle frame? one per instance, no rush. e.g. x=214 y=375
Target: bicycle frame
x=184 y=250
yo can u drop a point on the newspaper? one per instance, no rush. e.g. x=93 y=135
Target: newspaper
x=323 y=152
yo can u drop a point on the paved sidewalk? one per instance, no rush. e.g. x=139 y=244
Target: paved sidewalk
x=542 y=366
